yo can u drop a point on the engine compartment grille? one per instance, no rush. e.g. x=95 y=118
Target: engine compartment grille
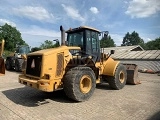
x=60 y=58
x=34 y=64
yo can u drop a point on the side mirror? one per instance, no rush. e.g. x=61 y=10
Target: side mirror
x=112 y=51
x=106 y=34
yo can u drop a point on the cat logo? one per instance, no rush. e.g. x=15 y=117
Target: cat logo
x=33 y=64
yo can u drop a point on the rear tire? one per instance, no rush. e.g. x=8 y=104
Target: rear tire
x=79 y=83
x=8 y=64
x=18 y=65
x=118 y=81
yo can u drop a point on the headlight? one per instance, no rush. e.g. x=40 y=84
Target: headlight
x=47 y=76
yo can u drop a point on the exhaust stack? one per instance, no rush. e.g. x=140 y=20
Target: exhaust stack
x=62 y=35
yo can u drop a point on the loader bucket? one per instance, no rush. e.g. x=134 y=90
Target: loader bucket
x=2 y=67
x=132 y=74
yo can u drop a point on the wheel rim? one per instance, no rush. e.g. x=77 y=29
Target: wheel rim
x=85 y=84
x=121 y=77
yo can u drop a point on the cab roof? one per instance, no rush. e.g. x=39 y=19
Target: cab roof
x=81 y=28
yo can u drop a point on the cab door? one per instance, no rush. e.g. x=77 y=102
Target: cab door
x=92 y=44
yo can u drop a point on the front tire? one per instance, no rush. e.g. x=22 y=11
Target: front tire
x=118 y=81
x=79 y=83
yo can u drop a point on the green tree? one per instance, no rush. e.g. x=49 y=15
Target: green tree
x=153 y=45
x=132 y=39
x=57 y=44
x=35 y=49
x=11 y=36
x=107 y=42
x=49 y=44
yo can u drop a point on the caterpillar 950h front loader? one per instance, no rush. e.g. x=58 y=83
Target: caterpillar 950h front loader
x=2 y=65
x=76 y=66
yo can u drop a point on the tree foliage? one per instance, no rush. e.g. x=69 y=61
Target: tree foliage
x=35 y=49
x=153 y=45
x=48 y=44
x=107 y=42
x=132 y=39
x=11 y=36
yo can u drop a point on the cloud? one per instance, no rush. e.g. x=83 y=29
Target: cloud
x=94 y=10
x=3 y=21
x=118 y=38
x=36 y=40
x=73 y=13
x=114 y=25
x=126 y=2
x=143 y=8
x=36 y=30
x=148 y=37
x=36 y=13
x=35 y=35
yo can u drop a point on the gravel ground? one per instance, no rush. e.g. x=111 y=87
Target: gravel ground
x=133 y=102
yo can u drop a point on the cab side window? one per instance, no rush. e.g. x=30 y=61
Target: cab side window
x=94 y=37
x=75 y=39
x=92 y=43
x=88 y=41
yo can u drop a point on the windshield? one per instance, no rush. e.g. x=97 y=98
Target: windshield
x=23 y=50
x=75 y=39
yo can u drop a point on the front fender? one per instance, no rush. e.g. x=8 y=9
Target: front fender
x=110 y=66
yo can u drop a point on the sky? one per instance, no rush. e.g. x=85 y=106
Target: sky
x=39 y=20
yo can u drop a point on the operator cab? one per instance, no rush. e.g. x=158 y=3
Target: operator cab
x=87 y=39
x=23 y=49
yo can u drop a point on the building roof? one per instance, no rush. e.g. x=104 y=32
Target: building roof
x=141 y=55
x=133 y=53
x=124 y=48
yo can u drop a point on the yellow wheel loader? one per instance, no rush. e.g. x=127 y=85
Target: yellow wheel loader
x=2 y=65
x=76 y=66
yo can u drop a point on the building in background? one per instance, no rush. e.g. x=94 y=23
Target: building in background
x=145 y=59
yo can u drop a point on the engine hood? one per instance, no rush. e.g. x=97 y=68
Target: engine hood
x=53 y=50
